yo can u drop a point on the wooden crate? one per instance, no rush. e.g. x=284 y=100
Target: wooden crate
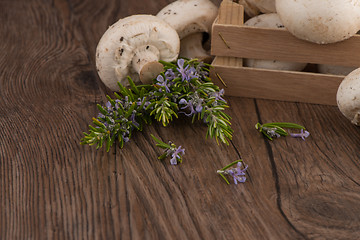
x=232 y=41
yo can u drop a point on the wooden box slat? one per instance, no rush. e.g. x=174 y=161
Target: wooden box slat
x=230 y=13
x=231 y=42
x=279 y=44
x=276 y=85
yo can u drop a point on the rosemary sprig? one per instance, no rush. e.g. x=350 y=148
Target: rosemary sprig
x=170 y=149
x=184 y=88
x=277 y=129
x=238 y=172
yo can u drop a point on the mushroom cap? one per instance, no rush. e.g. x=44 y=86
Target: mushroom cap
x=265 y=6
x=348 y=97
x=189 y=16
x=270 y=20
x=128 y=37
x=320 y=21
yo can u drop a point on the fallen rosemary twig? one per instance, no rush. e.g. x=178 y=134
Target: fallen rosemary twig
x=238 y=172
x=277 y=129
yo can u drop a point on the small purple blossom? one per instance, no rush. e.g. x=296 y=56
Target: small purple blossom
x=237 y=173
x=193 y=104
x=303 y=134
x=271 y=132
x=125 y=136
x=188 y=105
x=170 y=75
x=140 y=101
x=186 y=73
x=218 y=95
x=100 y=115
x=108 y=106
x=117 y=102
x=163 y=83
x=170 y=149
x=133 y=120
x=176 y=155
x=181 y=69
x=191 y=73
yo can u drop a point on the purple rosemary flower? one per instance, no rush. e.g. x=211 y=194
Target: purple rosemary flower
x=198 y=105
x=169 y=74
x=163 y=83
x=125 y=136
x=193 y=104
x=170 y=149
x=117 y=102
x=192 y=73
x=176 y=155
x=133 y=120
x=109 y=106
x=237 y=173
x=218 y=95
x=100 y=115
x=188 y=105
x=271 y=132
x=183 y=71
x=140 y=101
x=303 y=134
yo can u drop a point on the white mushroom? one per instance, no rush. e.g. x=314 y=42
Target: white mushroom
x=335 y=70
x=189 y=17
x=132 y=47
x=265 y=6
x=348 y=97
x=270 y=20
x=191 y=47
x=320 y=21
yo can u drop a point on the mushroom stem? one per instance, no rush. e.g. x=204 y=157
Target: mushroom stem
x=356 y=119
x=146 y=63
x=191 y=47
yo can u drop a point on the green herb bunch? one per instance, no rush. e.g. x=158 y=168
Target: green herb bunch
x=183 y=88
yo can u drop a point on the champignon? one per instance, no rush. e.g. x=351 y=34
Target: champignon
x=191 y=47
x=133 y=47
x=320 y=21
x=189 y=17
x=270 y=20
x=335 y=70
x=348 y=97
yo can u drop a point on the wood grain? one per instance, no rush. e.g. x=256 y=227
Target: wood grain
x=233 y=14
x=279 y=44
x=276 y=84
x=53 y=188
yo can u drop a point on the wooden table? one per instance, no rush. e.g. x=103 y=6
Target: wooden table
x=52 y=187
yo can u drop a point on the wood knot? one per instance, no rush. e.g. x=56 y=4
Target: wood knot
x=330 y=210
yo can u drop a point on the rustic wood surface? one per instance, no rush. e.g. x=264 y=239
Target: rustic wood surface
x=54 y=188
